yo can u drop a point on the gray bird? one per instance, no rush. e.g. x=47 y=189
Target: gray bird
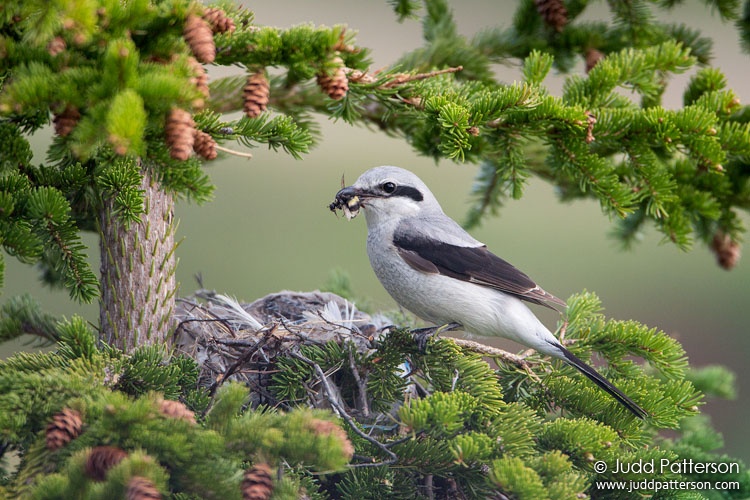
x=438 y=271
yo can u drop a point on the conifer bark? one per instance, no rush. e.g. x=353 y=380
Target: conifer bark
x=138 y=271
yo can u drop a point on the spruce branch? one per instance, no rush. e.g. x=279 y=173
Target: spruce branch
x=341 y=412
x=459 y=432
x=22 y=315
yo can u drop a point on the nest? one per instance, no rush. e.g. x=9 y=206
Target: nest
x=240 y=342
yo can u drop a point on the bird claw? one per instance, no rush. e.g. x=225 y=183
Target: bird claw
x=422 y=335
x=563 y=329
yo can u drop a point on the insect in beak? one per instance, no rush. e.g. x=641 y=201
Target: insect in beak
x=346 y=200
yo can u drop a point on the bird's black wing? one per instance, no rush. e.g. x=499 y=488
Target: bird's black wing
x=473 y=264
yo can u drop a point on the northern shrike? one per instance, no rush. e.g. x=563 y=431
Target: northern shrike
x=435 y=269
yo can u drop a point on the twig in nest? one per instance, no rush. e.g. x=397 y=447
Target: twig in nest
x=214 y=319
x=224 y=322
x=235 y=342
x=496 y=353
x=297 y=332
x=351 y=329
x=361 y=384
x=344 y=415
x=242 y=360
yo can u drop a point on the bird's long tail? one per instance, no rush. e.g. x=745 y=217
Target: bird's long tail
x=602 y=382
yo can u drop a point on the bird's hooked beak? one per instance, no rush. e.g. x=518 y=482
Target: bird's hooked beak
x=349 y=200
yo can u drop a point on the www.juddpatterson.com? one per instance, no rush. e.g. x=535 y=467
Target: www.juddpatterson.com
x=664 y=466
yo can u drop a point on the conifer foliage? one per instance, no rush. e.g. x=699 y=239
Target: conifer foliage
x=412 y=422
x=123 y=82
x=116 y=414
x=98 y=425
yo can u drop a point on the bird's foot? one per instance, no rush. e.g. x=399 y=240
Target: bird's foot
x=422 y=335
x=563 y=329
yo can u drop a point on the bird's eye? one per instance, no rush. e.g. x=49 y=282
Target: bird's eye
x=388 y=187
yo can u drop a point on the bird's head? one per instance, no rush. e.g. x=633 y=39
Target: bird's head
x=386 y=193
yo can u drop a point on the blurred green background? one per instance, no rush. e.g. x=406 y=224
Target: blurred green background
x=269 y=228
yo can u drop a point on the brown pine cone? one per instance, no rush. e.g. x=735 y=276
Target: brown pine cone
x=335 y=83
x=101 y=459
x=257 y=483
x=56 y=46
x=256 y=94
x=175 y=409
x=64 y=427
x=553 y=12
x=180 y=134
x=593 y=57
x=204 y=146
x=728 y=251
x=66 y=120
x=141 y=488
x=326 y=428
x=199 y=37
x=200 y=78
x=219 y=21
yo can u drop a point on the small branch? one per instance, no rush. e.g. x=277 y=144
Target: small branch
x=429 y=487
x=361 y=384
x=234 y=342
x=181 y=325
x=241 y=360
x=295 y=331
x=402 y=78
x=233 y=152
x=357 y=76
x=345 y=416
x=492 y=352
x=496 y=353
x=351 y=330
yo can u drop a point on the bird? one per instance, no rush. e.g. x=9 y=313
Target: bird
x=432 y=267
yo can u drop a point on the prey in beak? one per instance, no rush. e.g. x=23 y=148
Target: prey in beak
x=348 y=201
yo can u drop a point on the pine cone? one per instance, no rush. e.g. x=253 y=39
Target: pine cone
x=257 y=483
x=101 y=459
x=56 y=46
x=256 y=94
x=199 y=37
x=553 y=12
x=175 y=409
x=200 y=78
x=326 y=428
x=66 y=121
x=141 y=488
x=336 y=84
x=593 y=57
x=204 y=146
x=728 y=251
x=218 y=20
x=65 y=427
x=180 y=135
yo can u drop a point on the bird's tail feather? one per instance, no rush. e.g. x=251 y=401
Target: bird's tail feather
x=602 y=382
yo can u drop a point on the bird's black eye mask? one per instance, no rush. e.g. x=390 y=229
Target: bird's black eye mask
x=407 y=192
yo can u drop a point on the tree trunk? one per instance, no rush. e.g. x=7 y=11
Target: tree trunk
x=138 y=265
